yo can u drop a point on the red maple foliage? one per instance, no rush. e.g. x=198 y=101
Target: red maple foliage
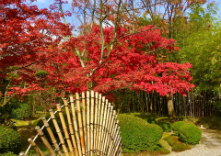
x=130 y=64
x=28 y=36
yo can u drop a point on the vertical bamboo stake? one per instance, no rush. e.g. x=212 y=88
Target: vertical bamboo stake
x=66 y=134
x=111 y=131
x=70 y=126
x=51 y=136
x=114 y=134
x=100 y=124
x=109 y=128
x=58 y=132
x=45 y=141
x=98 y=121
x=88 y=124
x=103 y=125
x=84 y=117
x=118 y=143
x=109 y=113
x=37 y=149
x=92 y=121
x=95 y=123
x=80 y=123
x=75 y=125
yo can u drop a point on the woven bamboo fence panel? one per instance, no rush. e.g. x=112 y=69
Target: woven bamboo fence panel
x=91 y=128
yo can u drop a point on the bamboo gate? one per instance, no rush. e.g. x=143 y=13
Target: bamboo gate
x=91 y=129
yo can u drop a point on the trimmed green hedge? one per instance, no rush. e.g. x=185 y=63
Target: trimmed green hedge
x=138 y=135
x=187 y=132
x=10 y=140
x=176 y=127
x=190 y=134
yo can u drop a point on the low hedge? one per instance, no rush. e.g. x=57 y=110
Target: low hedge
x=176 y=127
x=190 y=134
x=10 y=140
x=138 y=135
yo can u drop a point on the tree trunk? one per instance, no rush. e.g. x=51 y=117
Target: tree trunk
x=170 y=105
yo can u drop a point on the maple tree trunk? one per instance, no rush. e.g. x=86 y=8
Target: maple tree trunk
x=170 y=105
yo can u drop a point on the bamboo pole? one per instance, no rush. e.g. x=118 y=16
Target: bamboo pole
x=75 y=125
x=88 y=125
x=108 y=137
x=84 y=118
x=45 y=141
x=111 y=132
x=104 y=124
x=115 y=135
x=100 y=124
x=52 y=136
x=37 y=149
x=92 y=121
x=66 y=134
x=95 y=123
x=110 y=111
x=98 y=120
x=80 y=123
x=70 y=126
x=118 y=143
x=58 y=132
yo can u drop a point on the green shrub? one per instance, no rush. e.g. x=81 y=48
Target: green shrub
x=165 y=125
x=9 y=154
x=190 y=134
x=176 y=127
x=24 y=111
x=10 y=140
x=138 y=135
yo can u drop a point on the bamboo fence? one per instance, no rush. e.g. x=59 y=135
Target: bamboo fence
x=91 y=128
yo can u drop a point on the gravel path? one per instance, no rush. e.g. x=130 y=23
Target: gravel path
x=210 y=145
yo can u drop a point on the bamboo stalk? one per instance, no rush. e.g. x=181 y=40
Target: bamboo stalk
x=108 y=137
x=45 y=141
x=107 y=127
x=111 y=132
x=84 y=117
x=95 y=123
x=58 y=132
x=66 y=134
x=98 y=121
x=114 y=134
x=88 y=152
x=75 y=125
x=100 y=124
x=92 y=121
x=70 y=126
x=118 y=143
x=37 y=149
x=52 y=136
x=104 y=124
x=80 y=123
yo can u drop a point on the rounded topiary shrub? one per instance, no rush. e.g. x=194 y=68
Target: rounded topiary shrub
x=10 y=140
x=138 y=135
x=24 y=111
x=176 y=127
x=190 y=134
